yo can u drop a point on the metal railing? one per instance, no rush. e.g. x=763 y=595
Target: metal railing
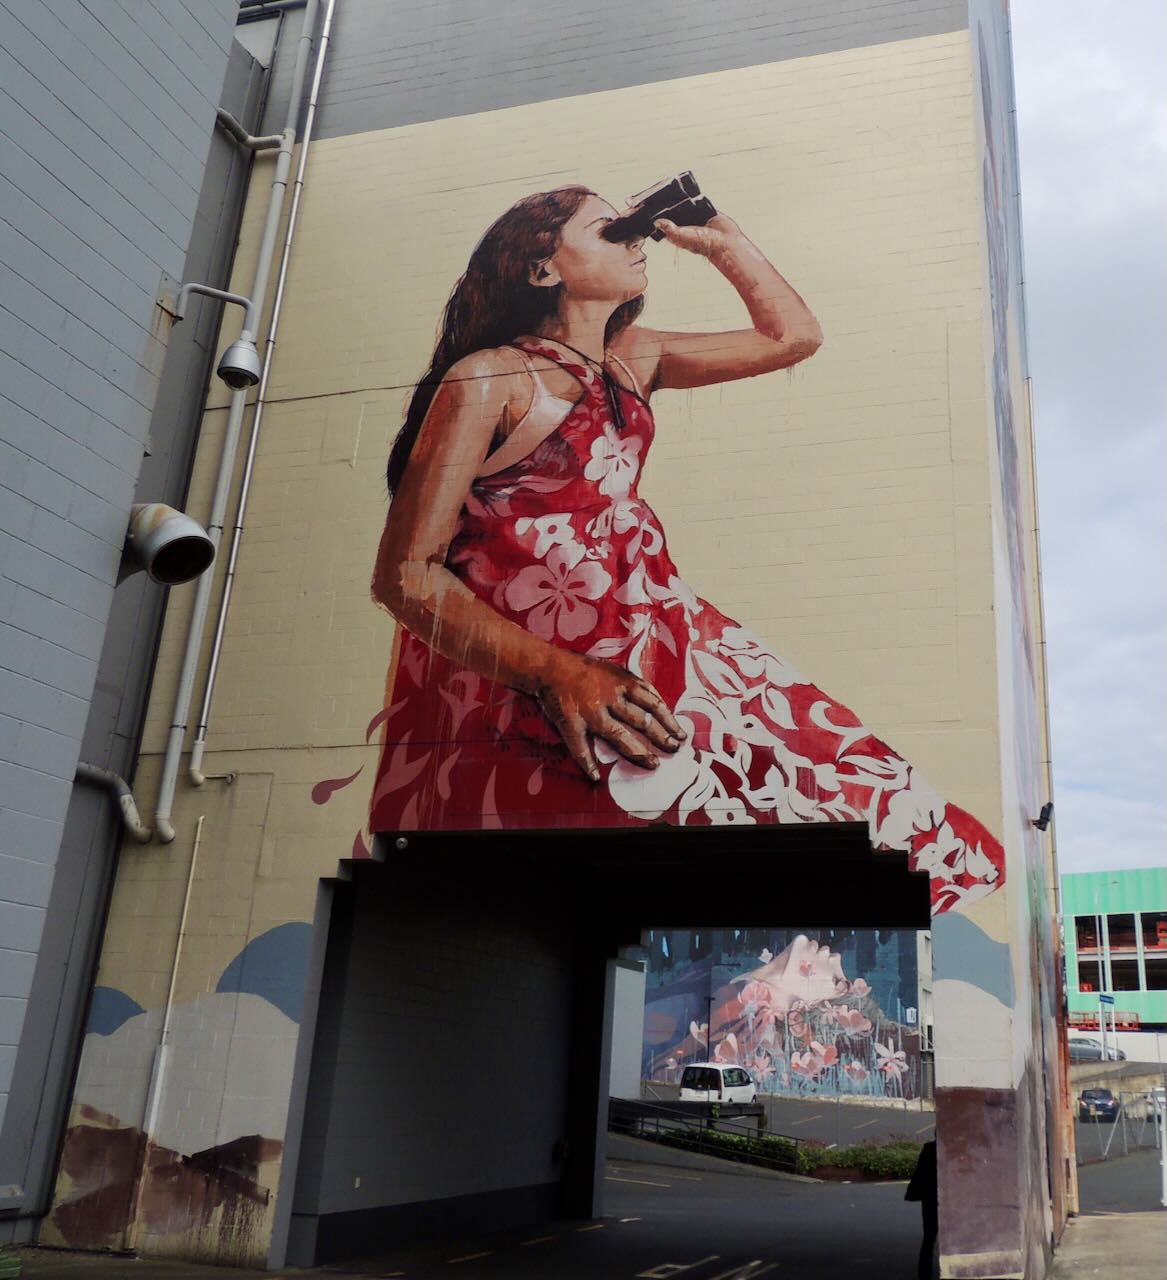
x=729 y=1131
x=1102 y=1136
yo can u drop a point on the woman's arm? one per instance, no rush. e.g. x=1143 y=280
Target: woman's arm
x=580 y=695
x=785 y=330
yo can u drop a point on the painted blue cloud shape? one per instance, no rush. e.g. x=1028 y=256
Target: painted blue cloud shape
x=110 y=1009
x=273 y=966
x=964 y=951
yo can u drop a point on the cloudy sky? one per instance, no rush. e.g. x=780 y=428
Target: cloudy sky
x=1092 y=121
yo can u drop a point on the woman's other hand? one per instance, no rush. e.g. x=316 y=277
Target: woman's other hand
x=584 y=696
x=717 y=236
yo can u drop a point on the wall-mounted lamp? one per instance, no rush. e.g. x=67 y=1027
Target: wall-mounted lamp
x=168 y=544
x=240 y=365
x=1043 y=818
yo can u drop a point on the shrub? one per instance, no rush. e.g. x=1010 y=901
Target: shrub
x=892 y=1160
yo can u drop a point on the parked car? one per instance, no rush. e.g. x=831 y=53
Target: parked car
x=1141 y=1106
x=716 y=1082
x=1085 y=1049
x=1098 y=1105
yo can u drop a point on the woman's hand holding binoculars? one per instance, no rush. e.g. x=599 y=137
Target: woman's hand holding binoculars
x=718 y=236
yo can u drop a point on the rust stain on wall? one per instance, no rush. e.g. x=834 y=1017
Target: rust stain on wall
x=217 y=1188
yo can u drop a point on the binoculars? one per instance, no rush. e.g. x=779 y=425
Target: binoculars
x=679 y=199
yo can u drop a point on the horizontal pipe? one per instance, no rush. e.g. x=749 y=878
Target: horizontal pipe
x=256 y=142
x=125 y=797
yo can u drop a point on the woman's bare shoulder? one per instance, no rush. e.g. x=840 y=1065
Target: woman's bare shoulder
x=489 y=362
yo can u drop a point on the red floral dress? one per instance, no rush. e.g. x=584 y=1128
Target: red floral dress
x=561 y=543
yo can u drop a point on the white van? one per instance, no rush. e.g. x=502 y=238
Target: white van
x=717 y=1082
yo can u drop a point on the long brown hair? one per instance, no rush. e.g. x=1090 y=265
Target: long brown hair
x=494 y=302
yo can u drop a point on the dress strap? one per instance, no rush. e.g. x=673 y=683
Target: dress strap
x=632 y=378
x=593 y=377
x=525 y=356
x=576 y=363
x=540 y=394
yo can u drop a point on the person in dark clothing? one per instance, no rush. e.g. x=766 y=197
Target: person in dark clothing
x=924 y=1188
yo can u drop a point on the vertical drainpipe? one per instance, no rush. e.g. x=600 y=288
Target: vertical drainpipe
x=197 y=776
x=202 y=599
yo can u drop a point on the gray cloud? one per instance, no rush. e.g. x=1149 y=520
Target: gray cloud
x=1092 y=121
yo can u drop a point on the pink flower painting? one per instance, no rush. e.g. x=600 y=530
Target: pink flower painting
x=815 y=1060
x=851 y=1020
x=726 y=1050
x=892 y=1061
x=555 y=595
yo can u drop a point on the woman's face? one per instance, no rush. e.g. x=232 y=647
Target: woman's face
x=803 y=971
x=591 y=268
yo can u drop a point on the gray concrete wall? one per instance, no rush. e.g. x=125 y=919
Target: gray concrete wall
x=106 y=122
x=425 y=1085
x=627 y=1028
x=414 y=60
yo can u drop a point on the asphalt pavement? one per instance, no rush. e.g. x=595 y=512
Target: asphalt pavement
x=699 y=1219
x=1123 y=1184
x=691 y=1219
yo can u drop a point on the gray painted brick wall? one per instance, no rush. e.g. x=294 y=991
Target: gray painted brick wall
x=106 y=118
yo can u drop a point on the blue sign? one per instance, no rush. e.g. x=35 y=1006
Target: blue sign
x=1106 y=999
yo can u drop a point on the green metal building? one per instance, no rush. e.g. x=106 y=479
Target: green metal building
x=1116 y=945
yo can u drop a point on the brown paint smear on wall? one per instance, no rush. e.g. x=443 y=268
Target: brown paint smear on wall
x=101 y=1160
x=979 y=1151
x=180 y=1194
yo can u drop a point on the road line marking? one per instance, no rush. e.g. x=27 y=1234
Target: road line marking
x=687 y=1177
x=666 y=1269
x=793 y=1124
x=924 y=1128
x=630 y=1219
x=746 y=1271
x=596 y=1226
x=866 y=1124
x=523 y=1244
x=640 y=1182
x=469 y=1257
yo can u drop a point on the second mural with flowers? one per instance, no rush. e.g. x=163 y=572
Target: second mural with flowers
x=815 y=1012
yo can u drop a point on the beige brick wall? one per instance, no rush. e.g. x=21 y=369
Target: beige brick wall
x=841 y=510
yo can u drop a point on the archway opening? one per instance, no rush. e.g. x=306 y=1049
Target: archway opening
x=460 y=1066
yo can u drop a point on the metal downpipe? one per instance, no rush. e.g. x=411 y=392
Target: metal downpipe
x=198 y=749
x=237 y=405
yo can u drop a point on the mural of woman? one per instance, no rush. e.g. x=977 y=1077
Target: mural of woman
x=553 y=668
x=798 y=1024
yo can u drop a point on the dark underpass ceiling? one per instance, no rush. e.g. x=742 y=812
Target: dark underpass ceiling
x=733 y=877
